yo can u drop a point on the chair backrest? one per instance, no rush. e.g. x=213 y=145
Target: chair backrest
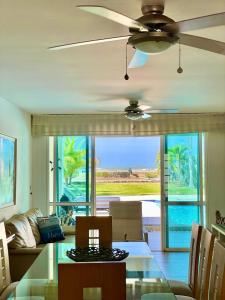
x=194 y=256
x=108 y=277
x=217 y=276
x=126 y=220
x=4 y=260
x=206 y=251
x=94 y=231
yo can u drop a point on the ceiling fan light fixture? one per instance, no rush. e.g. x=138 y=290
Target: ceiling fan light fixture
x=134 y=116
x=153 y=47
x=153 y=42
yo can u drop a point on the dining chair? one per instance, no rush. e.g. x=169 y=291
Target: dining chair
x=6 y=286
x=127 y=221
x=107 y=280
x=94 y=231
x=217 y=276
x=205 y=262
x=179 y=287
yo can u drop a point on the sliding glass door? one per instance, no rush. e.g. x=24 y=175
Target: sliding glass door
x=122 y=168
x=182 y=188
x=73 y=177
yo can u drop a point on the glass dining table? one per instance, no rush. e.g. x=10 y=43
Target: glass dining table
x=144 y=279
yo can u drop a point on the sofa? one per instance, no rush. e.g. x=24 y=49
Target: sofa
x=26 y=245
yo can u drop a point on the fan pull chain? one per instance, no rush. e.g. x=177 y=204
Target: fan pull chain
x=179 y=70
x=126 y=77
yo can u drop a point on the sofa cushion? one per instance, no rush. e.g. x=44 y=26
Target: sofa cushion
x=20 y=226
x=32 y=216
x=68 y=230
x=50 y=229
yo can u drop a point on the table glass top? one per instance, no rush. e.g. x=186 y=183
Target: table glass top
x=144 y=279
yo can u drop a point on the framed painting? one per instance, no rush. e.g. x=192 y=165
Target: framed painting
x=7 y=171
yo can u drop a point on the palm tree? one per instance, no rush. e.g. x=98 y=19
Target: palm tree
x=178 y=162
x=182 y=165
x=73 y=159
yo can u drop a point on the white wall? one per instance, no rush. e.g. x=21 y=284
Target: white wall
x=15 y=122
x=215 y=174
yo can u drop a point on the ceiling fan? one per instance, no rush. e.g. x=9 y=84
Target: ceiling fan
x=134 y=111
x=154 y=32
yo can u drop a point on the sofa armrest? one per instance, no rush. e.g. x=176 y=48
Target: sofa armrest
x=20 y=261
x=25 y=251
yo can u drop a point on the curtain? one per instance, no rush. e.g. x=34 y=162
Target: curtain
x=106 y=125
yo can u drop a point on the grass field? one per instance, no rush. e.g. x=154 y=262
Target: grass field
x=124 y=189
x=133 y=188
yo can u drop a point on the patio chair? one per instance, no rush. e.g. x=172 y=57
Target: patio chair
x=94 y=231
x=127 y=221
x=6 y=286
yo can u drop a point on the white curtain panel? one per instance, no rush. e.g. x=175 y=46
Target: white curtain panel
x=107 y=125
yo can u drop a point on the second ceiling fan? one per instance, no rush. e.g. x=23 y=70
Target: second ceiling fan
x=154 y=32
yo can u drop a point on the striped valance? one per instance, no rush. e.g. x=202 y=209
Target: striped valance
x=106 y=125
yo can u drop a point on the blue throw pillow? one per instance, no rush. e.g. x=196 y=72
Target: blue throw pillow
x=50 y=229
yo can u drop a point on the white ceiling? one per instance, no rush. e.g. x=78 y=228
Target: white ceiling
x=75 y=80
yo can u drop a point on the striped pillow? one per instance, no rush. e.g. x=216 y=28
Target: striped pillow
x=50 y=229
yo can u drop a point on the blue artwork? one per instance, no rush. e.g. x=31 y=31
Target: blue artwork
x=7 y=171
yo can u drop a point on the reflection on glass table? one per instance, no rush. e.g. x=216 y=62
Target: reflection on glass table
x=143 y=276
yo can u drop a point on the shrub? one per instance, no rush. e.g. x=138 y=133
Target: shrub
x=152 y=174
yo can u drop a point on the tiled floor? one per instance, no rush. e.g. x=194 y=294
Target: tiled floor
x=174 y=265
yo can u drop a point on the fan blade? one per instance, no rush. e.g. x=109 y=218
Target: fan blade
x=197 y=23
x=144 y=107
x=162 y=111
x=203 y=43
x=126 y=96
x=110 y=111
x=71 y=45
x=146 y=116
x=139 y=59
x=113 y=16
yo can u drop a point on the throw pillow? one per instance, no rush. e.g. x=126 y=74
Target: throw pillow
x=50 y=229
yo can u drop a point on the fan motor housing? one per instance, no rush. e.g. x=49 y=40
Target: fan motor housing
x=133 y=107
x=155 y=22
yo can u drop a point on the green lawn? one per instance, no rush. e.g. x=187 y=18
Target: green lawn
x=126 y=189
x=130 y=189
x=133 y=188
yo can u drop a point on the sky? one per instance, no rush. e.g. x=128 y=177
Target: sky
x=127 y=152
